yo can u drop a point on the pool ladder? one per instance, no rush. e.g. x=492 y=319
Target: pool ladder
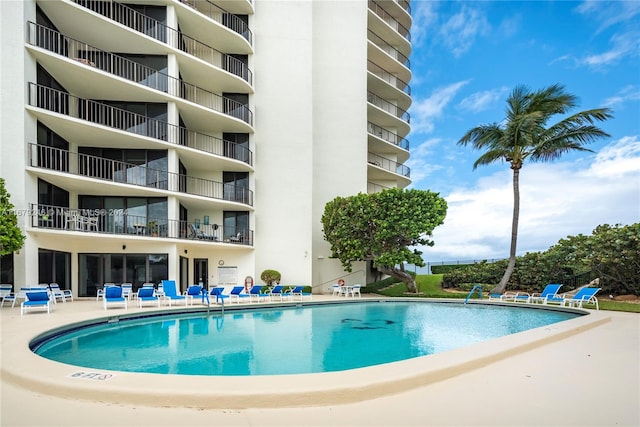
x=475 y=287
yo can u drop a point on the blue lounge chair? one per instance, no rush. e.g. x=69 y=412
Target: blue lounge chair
x=255 y=292
x=63 y=294
x=583 y=296
x=278 y=292
x=6 y=294
x=113 y=297
x=146 y=296
x=236 y=294
x=193 y=292
x=218 y=293
x=299 y=291
x=550 y=292
x=171 y=293
x=35 y=301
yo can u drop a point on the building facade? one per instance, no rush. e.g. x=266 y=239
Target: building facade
x=195 y=140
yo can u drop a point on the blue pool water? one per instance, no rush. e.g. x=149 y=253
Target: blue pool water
x=291 y=340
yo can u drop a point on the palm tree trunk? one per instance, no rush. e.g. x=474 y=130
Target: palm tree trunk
x=514 y=234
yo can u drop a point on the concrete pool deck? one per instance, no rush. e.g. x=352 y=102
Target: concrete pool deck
x=581 y=372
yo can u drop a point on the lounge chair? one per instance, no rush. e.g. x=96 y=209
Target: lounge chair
x=100 y=292
x=278 y=292
x=549 y=292
x=193 y=292
x=236 y=294
x=146 y=296
x=6 y=294
x=583 y=296
x=113 y=297
x=337 y=290
x=64 y=294
x=218 y=293
x=196 y=233
x=171 y=293
x=255 y=292
x=299 y=291
x=36 y=300
x=515 y=296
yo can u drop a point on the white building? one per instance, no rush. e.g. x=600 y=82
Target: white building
x=195 y=140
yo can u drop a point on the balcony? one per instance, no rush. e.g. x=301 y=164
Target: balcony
x=97 y=113
x=387 y=106
x=389 y=77
x=143 y=76
x=117 y=172
x=389 y=165
x=132 y=20
x=118 y=222
x=222 y=17
x=392 y=22
x=388 y=49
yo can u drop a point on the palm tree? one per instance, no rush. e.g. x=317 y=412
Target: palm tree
x=524 y=135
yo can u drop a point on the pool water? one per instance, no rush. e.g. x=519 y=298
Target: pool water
x=289 y=340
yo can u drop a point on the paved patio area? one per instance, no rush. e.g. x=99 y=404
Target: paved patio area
x=585 y=372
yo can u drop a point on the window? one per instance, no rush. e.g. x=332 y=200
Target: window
x=236 y=185
x=236 y=146
x=234 y=223
x=54 y=267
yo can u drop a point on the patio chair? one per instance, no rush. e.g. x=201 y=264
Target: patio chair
x=194 y=291
x=127 y=290
x=171 y=293
x=549 y=292
x=218 y=293
x=36 y=301
x=236 y=294
x=6 y=294
x=100 y=292
x=278 y=291
x=299 y=291
x=583 y=296
x=355 y=290
x=63 y=294
x=146 y=296
x=515 y=296
x=255 y=292
x=196 y=233
x=113 y=297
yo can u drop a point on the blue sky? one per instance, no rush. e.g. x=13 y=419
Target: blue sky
x=467 y=57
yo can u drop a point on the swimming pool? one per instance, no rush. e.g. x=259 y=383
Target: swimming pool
x=288 y=340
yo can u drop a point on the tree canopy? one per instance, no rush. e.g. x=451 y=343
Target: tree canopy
x=11 y=237
x=524 y=135
x=383 y=227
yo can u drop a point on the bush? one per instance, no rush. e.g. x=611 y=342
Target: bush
x=270 y=277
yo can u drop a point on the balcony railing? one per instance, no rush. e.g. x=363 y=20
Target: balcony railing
x=221 y=16
x=388 y=136
x=389 y=165
x=386 y=17
x=389 y=77
x=405 y=5
x=376 y=188
x=55 y=42
x=117 y=118
x=120 y=222
x=390 y=108
x=390 y=50
x=155 y=29
x=45 y=157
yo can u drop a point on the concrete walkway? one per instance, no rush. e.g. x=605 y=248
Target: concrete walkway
x=589 y=375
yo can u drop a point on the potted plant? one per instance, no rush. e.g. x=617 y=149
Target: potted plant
x=271 y=277
x=152 y=226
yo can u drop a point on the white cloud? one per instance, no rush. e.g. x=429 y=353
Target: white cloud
x=628 y=93
x=481 y=101
x=622 y=45
x=557 y=200
x=610 y=13
x=461 y=30
x=425 y=111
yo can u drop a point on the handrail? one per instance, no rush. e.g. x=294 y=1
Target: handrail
x=386 y=17
x=335 y=279
x=78 y=164
x=388 y=107
x=388 y=49
x=221 y=16
x=155 y=29
x=120 y=222
x=106 y=115
x=390 y=165
x=389 y=77
x=53 y=41
x=388 y=136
